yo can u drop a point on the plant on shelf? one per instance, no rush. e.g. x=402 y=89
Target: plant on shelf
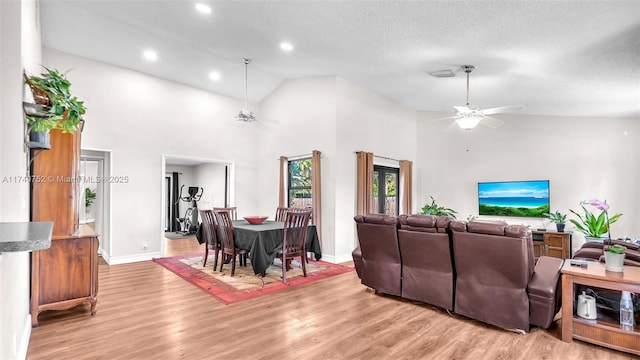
x=614 y=258
x=63 y=110
x=89 y=197
x=594 y=226
x=616 y=249
x=558 y=218
x=434 y=209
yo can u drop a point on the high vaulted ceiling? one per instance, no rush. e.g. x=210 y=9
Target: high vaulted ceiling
x=567 y=58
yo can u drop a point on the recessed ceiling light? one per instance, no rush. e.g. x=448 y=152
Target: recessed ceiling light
x=203 y=8
x=286 y=46
x=215 y=76
x=150 y=55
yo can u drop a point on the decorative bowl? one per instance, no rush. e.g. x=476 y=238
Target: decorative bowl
x=255 y=220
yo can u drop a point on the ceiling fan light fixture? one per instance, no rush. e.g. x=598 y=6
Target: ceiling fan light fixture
x=245 y=114
x=468 y=122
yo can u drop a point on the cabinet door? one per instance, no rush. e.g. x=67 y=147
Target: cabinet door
x=538 y=247
x=554 y=246
x=66 y=270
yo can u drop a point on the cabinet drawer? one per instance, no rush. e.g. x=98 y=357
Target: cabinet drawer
x=554 y=240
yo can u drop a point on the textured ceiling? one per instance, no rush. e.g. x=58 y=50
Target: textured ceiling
x=565 y=58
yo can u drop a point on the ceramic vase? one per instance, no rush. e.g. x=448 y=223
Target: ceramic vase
x=594 y=239
x=613 y=262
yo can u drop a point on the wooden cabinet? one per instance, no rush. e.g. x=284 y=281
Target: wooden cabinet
x=554 y=244
x=605 y=330
x=55 y=189
x=66 y=274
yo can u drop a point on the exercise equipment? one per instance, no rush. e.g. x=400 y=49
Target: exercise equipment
x=189 y=222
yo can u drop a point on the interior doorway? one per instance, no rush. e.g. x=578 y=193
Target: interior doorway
x=215 y=177
x=95 y=199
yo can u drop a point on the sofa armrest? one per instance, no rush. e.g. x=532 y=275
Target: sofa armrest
x=545 y=277
x=545 y=292
x=357 y=261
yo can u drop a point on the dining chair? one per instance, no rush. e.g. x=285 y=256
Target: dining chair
x=294 y=209
x=231 y=210
x=293 y=241
x=281 y=213
x=211 y=240
x=227 y=242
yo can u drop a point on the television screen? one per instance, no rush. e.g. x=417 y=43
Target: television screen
x=514 y=198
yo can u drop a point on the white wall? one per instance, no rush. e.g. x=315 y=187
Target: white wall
x=338 y=118
x=19 y=50
x=140 y=118
x=369 y=122
x=583 y=158
x=298 y=117
x=211 y=178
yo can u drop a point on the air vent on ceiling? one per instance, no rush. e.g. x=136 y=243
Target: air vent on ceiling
x=442 y=73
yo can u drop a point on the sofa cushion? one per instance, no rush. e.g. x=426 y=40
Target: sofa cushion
x=487 y=227
x=422 y=223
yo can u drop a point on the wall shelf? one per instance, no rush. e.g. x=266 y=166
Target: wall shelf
x=25 y=236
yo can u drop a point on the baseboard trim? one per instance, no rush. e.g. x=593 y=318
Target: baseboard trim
x=117 y=260
x=24 y=340
x=336 y=259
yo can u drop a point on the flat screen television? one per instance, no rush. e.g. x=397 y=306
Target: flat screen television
x=514 y=198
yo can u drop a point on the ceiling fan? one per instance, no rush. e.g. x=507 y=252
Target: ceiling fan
x=245 y=114
x=469 y=116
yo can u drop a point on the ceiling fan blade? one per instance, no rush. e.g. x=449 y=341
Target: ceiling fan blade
x=491 y=122
x=445 y=118
x=451 y=127
x=503 y=109
x=463 y=109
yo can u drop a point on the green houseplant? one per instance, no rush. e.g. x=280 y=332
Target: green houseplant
x=614 y=258
x=436 y=210
x=62 y=110
x=89 y=197
x=593 y=226
x=558 y=218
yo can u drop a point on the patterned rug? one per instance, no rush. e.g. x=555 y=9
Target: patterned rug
x=244 y=284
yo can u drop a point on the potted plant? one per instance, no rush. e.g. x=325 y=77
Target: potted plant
x=614 y=258
x=593 y=227
x=57 y=107
x=89 y=197
x=434 y=209
x=558 y=218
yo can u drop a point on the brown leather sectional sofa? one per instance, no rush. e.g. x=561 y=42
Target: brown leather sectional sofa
x=482 y=270
x=594 y=251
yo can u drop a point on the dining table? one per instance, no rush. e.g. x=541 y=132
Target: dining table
x=264 y=240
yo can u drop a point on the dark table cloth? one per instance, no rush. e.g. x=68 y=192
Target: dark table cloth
x=263 y=241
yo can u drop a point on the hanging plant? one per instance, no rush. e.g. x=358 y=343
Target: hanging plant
x=63 y=110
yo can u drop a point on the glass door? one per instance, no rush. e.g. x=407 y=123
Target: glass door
x=385 y=190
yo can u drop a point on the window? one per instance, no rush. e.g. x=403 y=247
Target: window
x=385 y=190
x=300 y=183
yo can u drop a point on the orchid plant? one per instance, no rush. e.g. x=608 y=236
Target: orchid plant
x=591 y=225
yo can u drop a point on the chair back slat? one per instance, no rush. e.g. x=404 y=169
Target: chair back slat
x=231 y=210
x=293 y=209
x=225 y=229
x=208 y=225
x=295 y=232
x=281 y=213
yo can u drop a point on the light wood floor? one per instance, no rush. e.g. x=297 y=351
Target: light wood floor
x=147 y=312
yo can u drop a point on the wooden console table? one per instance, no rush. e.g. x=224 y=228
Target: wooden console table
x=551 y=243
x=605 y=330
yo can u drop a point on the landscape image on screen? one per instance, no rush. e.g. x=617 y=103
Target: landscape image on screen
x=514 y=198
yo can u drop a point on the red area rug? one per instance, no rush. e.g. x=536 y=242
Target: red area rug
x=245 y=285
